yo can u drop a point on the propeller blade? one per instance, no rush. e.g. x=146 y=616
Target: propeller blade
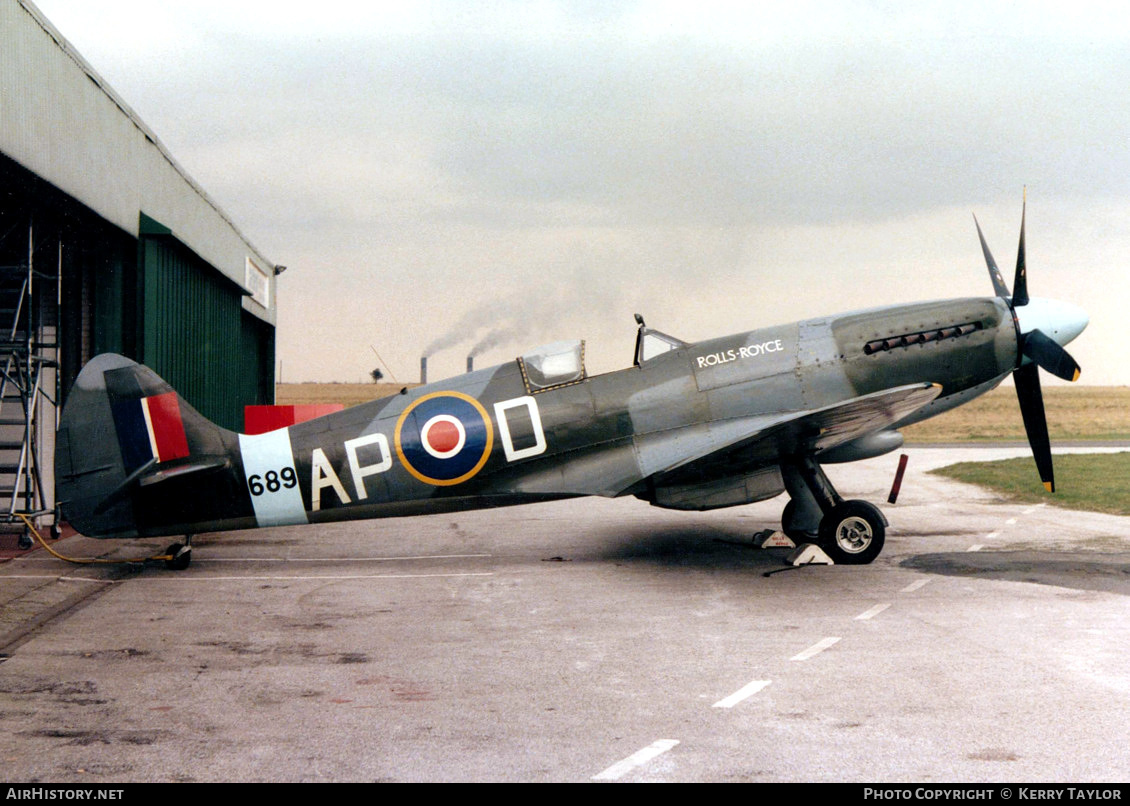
x=1031 y=399
x=994 y=273
x=1049 y=355
x=1020 y=284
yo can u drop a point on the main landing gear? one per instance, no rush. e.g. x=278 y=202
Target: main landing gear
x=850 y=532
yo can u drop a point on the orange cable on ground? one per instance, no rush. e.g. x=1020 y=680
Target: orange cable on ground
x=84 y=560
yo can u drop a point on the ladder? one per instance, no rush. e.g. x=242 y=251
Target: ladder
x=30 y=303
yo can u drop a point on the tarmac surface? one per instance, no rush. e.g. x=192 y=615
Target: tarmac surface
x=584 y=640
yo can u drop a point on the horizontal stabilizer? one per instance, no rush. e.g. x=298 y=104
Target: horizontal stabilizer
x=198 y=464
x=148 y=474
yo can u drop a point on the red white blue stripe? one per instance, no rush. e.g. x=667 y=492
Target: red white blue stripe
x=150 y=428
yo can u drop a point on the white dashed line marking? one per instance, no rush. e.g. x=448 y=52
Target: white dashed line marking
x=637 y=759
x=816 y=649
x=975 y=547
x=874 y=611
x=743 y=693
x=913 y=586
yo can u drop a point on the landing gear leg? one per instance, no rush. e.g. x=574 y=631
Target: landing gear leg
x=850 y=532
x=800 y=519
x=180 y=554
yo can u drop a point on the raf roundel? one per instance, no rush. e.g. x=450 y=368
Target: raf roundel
x=444 y=438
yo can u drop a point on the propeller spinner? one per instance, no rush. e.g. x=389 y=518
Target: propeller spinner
x=1043 y=328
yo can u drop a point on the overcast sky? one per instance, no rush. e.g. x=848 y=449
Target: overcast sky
x=530 y=171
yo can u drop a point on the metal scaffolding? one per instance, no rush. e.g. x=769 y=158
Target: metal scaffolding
x=30 y=303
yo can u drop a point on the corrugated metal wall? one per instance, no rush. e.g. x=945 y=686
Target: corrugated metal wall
x=195 y=334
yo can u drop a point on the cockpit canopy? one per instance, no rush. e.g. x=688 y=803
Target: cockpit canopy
x=554 y=364
x=651 y=343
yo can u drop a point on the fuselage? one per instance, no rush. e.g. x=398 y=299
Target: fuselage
x=496 y=437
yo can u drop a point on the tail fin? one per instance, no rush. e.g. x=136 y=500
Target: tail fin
x=133 y=458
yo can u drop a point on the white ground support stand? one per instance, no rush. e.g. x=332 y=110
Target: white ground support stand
x=805 y=554
x=809 y=554
x=769 y=539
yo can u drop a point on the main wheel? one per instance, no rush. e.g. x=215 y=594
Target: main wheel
x=853 y=532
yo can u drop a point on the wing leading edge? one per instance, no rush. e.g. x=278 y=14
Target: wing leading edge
x=802 y=433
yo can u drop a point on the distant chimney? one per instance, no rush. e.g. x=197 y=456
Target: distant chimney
x=423 y=369
x=470 y=363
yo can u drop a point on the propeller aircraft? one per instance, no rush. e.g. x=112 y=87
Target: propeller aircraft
x=689 y=426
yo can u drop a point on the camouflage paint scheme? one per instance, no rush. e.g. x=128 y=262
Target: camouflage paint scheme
x=718 y=423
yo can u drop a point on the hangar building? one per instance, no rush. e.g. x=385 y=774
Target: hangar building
x=108 y=245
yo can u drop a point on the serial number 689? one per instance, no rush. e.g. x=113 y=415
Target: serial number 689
x=272 y=481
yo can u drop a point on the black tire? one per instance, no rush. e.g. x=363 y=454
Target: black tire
x=180 y=559
x=853 y=533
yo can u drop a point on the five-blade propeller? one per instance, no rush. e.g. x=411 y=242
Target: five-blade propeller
x=1039 y=348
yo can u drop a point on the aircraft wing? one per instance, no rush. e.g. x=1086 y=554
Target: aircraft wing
x=803 y=432
x=720 y=448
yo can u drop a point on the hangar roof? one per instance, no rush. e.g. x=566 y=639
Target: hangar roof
x=62 y=121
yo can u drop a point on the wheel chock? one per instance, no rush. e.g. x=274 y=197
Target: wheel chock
x=809 y=554
x=769 y=539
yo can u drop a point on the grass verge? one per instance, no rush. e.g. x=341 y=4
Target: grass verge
x=1097 y=482
x=1073 y=412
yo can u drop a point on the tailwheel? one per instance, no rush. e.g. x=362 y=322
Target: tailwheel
x=180 y=555
x=852 y=532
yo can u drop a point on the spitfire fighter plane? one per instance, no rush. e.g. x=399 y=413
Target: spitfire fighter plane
x=690 y=426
